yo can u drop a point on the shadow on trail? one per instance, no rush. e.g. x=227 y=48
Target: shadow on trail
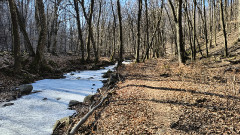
x=173 y=102
x=184 y=90
x=198 y=105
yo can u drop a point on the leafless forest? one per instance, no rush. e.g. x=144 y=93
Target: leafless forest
x=184 y=76
x=96 y=28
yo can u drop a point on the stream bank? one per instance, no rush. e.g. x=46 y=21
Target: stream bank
x=56 y=67
x=36 y=113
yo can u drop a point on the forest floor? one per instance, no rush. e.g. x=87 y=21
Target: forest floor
x=55 y=67
x=161 y=97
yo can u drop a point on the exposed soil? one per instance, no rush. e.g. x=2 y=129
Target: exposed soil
x=161 y=97
x=55 y=67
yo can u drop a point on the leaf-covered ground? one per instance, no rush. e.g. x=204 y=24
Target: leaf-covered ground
x=160 y=97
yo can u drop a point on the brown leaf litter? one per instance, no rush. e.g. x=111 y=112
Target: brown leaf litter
x=160 y=97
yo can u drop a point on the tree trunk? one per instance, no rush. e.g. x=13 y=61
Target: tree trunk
x=224 y=29
x=80 y=36
x=114 y=33
x=22 y=26
x=205 y=28
x=98 y=23
x=190 y=29
x=210 y=22
x=146 y=12
x=214 y=23
x=138 y=29
x=120 y=60
x=15 y=36
x=55 y=25
x=194 y=30
x=178 y=24
x=89 y=22
x=42 y=27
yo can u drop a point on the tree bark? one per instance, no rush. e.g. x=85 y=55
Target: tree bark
x=22 y=26
x=15 y=36
x=120 y=60
x=194 y=30
x=98 y=23
x=178 y=24
x=55 y=26
x=214 y=23
x=89 y=22
x=138 y=29
x=190 y=29
x=80 y=36
x=224 y=29
x=147 y=27
x=205 y=28
x=42 y=27
x=114 y=32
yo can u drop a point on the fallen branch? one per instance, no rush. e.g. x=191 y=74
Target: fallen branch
x=75 y=128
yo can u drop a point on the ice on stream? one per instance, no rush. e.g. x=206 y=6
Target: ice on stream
x=31 y=115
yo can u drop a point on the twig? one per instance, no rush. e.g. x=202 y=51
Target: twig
x=75 y=128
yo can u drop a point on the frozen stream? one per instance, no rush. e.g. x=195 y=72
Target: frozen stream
x=31 y=115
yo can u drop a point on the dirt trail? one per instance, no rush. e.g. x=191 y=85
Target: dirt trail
x=162 y=98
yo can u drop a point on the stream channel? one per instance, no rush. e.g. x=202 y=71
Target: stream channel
x=35 y=114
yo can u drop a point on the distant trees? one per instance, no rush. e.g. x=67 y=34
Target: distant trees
x=92 y=28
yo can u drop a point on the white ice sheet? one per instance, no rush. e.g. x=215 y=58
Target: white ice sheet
x=31 y=115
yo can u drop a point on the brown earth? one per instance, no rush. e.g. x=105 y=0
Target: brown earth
x=161 y=97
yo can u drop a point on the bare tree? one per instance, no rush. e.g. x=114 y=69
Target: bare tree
x=21 y=23
x=120 y=60
x=90 y=30
x=177 y=14
x=205 y=28
x=42 y=28
x=80 y=36
x=15 y=35
x=114 y=32
x=138 y=29
x=224 y=29
x=55 y=26
x=147 y=27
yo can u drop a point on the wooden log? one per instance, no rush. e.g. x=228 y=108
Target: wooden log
x=82 y=121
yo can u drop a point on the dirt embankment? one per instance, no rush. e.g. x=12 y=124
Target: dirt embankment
x=55 y=67
x=160 y=97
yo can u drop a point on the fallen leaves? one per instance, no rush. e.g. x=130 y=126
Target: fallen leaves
x=188 y=101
